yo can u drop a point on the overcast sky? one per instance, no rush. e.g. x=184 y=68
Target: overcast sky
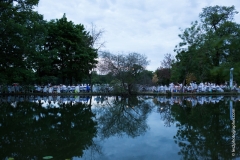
x=149 y=27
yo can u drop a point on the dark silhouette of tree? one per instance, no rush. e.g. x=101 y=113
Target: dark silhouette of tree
x=70 y=46
x=123 y=116
x=208 y=48
x=205 y=131
x=30 y=131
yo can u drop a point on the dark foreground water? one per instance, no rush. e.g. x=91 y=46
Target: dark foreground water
x=119 y=128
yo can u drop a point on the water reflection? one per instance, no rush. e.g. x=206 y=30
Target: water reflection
x=123 y=116
x=30 y=131
x=103 y=100
x=204 y=126
x=69 y=127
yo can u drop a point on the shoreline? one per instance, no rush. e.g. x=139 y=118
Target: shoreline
x=123 y=94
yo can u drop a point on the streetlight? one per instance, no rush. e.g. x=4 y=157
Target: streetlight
x=231 y=78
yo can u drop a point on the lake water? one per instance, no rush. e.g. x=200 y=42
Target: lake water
x=119 y=128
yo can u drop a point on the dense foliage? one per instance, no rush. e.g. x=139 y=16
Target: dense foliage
x=36 y=51
x=164 y=72
x=209 y=48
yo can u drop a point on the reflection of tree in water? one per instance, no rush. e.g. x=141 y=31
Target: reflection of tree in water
x=125 y=115
x=164 y=108
x=205 y=131
x=30 y=131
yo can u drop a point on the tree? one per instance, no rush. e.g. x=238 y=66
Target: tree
x=95 y=43
x=71 y=49
x=145 y=78
x=33 y=50
x=96 y=38
x=100 y=78
x=155 y=79
x=167 y=61
x=163 y=75
x=21 y=31
x=208 y=45
x=191 y=58
x=125 y=68
x=164 y=71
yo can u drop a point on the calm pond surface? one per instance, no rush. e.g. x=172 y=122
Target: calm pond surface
x=119 y=128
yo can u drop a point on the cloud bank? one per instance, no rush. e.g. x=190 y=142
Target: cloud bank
x=149 y=27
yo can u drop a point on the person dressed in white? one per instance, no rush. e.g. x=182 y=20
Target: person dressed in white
x=58 y=89
x=77 y=89
x=69 y=88
x=64 y=88
x=171 y=87
x=195 y=87
x=12 y=89
x=50 y=90
x=166 y=88
x=201 y=86
x=45 y=89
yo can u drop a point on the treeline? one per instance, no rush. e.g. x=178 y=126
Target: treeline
x=209 y=48
x=34 y=50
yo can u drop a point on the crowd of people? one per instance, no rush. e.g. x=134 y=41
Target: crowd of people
x=62 y=88
x=16 y=88
x=192 y=87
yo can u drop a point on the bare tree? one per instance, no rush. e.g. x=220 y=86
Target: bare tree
x=125 y=68
x=164 y=71
x=96 y=37
x=96 y=43
x=167 y=61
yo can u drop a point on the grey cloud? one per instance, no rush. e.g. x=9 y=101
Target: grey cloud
x=150 y=27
